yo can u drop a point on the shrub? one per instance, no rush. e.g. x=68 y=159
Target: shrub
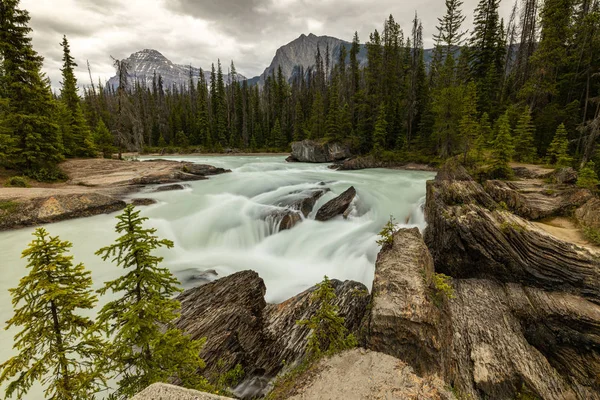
x=53 y=174
x=18 y=181
x=442 y=287
x=587 y=177
x=592 y=234
x=387 y=233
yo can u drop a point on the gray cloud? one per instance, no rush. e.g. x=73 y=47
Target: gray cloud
x=198 y=32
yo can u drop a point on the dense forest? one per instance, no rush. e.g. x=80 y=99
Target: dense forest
x=525 y=89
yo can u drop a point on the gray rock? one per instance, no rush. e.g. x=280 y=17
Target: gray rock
x=403 y=321
x=169 y=188
x=164 y=391
x=589 y=214
x=565 y=176
x=317 y=152
x=336 y=206
x=143 y=202
x=241 y=327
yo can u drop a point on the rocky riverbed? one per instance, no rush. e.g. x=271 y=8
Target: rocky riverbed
x=522 y=317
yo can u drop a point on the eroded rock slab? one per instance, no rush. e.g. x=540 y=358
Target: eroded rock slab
x=589 y=214
x=241 y=327
x=336 y=206
x=403 y=321
x=363 y=374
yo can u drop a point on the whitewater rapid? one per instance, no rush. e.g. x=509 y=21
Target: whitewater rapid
x=218 y=224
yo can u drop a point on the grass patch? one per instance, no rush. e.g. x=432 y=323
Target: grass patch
x=592 y=234
x=285 y=385
x=7 y=207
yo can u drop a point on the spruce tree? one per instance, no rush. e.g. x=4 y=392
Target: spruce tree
x=469 y=125
x=588 y=178
x=146 y=347
x=58 y=346
x=328 y=333
x=524 y=145
x=29 y=119
x=502 y=149
x=380 y=132
x=277 y=136
x=103 y=140
x=558 y=152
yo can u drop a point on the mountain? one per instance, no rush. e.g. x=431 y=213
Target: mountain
x=300 y=53
x=143 y=64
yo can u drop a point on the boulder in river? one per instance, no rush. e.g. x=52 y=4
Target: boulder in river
x=169 y=188
x=337 y=205
x=306 y=202
x=319 y=152
x=143 y=201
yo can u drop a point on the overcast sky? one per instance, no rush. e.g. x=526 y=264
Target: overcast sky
x=198 y=32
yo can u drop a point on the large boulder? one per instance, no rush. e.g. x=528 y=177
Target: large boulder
x=588 y=214
x=404 y=322
x=241 y=328
x=318 y=152
x=363 y=374
x=336 y=206
x=565 y=176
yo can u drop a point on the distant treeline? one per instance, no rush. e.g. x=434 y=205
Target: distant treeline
x=531 y=75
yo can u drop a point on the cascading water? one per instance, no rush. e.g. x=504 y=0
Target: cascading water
x=222 y=224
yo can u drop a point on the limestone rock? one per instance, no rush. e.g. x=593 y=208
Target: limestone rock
x=565 y=175
x=589 y=214
x=44 y=210
x=363 y=374
x=534 y=200
x=164 y=391
x=317 y=152
x=337 y=205
x=241 y=328
x=403 y=321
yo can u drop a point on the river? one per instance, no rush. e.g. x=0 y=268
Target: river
x=217 y=224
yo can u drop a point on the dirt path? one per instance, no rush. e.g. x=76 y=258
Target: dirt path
x=564 y=229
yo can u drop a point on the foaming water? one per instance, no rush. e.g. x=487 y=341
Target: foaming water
x=221 y=224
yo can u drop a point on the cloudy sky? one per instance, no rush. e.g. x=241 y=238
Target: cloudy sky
x=198 y=32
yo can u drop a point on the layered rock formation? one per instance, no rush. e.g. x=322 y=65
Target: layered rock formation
x=242 y=328
x=43 y=210
x=318 y=152
x=525 y=319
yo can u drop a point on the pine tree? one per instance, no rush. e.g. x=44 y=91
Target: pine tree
x=380 y=132
x=328 y=333
x=277 y=136
x=146 y=347
x=588 y=178
x=524 y=146
x=468 y=125
x=7 y=143
x=502 y=149
x=558 y=152
x=78 y=142
x=29 y=118
x=57 y=346
x=103 y=140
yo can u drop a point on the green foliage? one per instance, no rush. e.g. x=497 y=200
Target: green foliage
x=328 y=333
x=58 y=346
x=229 y=379
x=524 y=145
x=387 y=233
x=588 y=178
x=592 y=234
x=442 y=287
x=50 y=174
x=380 y=132
x=502 y=150
x=146 y=346
x=17 y=181
x=103 y=140
x=558 y=152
